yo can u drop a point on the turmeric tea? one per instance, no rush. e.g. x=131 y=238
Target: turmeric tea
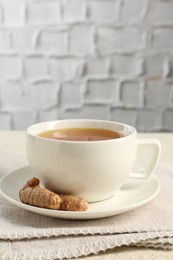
x=33 y=194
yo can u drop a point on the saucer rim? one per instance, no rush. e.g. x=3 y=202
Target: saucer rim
x=74 y=215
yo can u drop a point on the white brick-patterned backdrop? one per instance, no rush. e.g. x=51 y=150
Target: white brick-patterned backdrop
x=105 y=59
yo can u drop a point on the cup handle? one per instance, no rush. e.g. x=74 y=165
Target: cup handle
x=143 y=173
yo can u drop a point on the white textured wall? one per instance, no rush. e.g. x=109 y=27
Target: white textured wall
x=107 y=59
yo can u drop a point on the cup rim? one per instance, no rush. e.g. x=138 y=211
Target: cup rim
x=29 y=130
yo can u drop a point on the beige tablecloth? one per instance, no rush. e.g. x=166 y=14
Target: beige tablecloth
x=25 y=235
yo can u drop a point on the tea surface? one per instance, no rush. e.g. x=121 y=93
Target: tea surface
x=81 y=134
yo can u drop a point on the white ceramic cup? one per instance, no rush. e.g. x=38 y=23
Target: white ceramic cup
x=94 y=170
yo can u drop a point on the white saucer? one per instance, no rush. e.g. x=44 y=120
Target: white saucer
x=133 y=194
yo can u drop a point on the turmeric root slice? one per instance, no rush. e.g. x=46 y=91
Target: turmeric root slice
x=34 y=195
x=73 y=203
